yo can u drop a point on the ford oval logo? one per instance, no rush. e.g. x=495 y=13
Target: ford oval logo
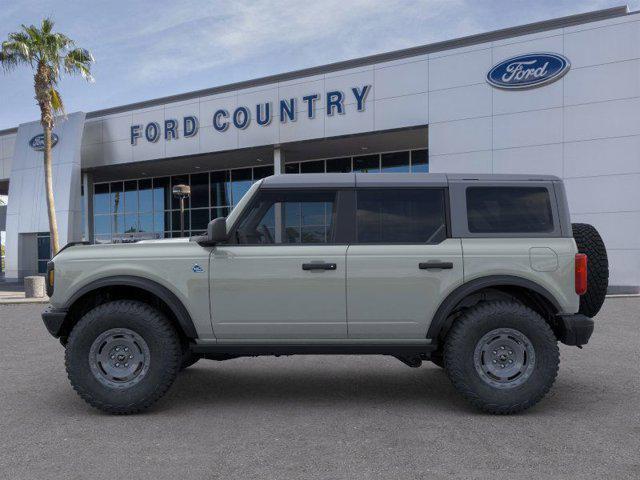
x=528 y=71
x=37 y=142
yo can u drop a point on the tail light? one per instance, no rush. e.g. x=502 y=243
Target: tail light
x=581 y=273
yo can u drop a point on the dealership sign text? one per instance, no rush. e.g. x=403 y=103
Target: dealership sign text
x=285 y=110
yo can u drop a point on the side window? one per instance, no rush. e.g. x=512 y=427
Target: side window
x=509 y=210
x=401 y=215
x=289 y=217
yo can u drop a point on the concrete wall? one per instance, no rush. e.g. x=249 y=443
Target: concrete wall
x=7 y=143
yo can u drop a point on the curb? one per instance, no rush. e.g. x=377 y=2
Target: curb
x=22 y=301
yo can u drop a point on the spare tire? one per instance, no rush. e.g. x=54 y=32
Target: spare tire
x=590 y=243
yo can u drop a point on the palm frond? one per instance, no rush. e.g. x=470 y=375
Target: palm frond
x=47 y=25
x=56 y=101
x=79 y=60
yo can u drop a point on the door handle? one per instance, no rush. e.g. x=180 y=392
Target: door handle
x=319 y=266
x=435 y=265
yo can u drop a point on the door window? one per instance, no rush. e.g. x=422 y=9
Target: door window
x=289 y=217
x=401 y=215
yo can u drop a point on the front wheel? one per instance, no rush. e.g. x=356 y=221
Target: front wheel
x=122 y=356
x=502 y=357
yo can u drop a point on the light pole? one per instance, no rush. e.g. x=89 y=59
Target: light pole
x=181 y=192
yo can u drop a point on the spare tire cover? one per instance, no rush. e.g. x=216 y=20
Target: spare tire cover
x=590 y=243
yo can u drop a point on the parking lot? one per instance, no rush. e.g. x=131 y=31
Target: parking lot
x=321 y=417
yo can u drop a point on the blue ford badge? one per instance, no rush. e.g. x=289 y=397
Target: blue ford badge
x=528 y=71
x=197 y=268
x=37 y=142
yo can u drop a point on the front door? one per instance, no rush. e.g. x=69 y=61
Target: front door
x=402 y=265
x=283 y=273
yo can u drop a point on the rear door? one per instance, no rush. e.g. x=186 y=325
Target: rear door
x=402 y=263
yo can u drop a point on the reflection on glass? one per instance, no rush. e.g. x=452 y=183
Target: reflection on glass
x=117 y=225
x=131 y=196
x=199 y=219
x=395 y=162
x=102 y=224
x=420 y=161
x=161 y=194
x=317 y=166
x=200 y=190
x=145 y=223
x=116 y=197
x=101 y=198
x=159 y=224
x=130 y=223
x=240 y=183
x=145 y=196
x=366 y=164
x=220 y=193
x=292 y=168
x=175 y=219
x=261 y=172
x=339 y=165
x=219 y=212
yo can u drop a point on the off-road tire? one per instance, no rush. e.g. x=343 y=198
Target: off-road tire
x=590 y=243
x=164 y=356
x=471 y=327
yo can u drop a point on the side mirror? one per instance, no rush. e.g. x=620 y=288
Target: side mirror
x=217 y=230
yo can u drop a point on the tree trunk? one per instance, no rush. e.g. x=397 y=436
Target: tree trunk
x=48 y=179
x=42 y=84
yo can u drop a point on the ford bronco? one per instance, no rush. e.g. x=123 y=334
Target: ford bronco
x=480 y=274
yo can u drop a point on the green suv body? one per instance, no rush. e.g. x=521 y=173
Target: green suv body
x=480 y=274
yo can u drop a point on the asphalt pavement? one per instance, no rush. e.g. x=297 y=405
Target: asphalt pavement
x=321 y=417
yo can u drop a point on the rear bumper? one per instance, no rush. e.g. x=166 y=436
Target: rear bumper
x=575 y=330
x=53 y=319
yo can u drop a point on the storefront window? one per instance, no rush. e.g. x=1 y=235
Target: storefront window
x=366 y=164
x=241 y=180
x=420 y=161
x=397 y=162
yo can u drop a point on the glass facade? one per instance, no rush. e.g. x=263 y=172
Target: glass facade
x=131 y=210
x=44 y=250
x=403 y=161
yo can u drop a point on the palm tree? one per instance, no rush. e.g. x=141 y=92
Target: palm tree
x=47 y=53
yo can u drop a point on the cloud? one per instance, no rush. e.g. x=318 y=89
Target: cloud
x=199 y=39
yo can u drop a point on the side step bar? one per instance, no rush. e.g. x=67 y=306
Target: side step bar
x=252 y=350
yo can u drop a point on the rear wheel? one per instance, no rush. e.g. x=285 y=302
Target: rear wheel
x=122 y=356
x=501 y=356
x=590 y=243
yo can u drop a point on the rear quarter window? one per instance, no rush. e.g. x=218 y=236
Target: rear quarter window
x=509 y=210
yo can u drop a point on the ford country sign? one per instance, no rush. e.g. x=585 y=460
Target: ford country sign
x=528 y=71
x=37 y=142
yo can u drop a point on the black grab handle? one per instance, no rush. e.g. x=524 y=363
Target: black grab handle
x=319 y=266
x=435 y=265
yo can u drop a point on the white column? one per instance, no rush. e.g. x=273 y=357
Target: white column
x=87 y=206
x=278 y=161
x=278 y=169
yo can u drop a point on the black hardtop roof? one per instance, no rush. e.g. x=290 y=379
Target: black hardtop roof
x=345 y=180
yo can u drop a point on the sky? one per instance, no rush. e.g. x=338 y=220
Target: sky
x=148 y=49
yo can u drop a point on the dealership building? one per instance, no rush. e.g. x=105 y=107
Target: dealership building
x=558 y=97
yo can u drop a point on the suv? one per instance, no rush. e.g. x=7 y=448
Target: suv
x=480 y=274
